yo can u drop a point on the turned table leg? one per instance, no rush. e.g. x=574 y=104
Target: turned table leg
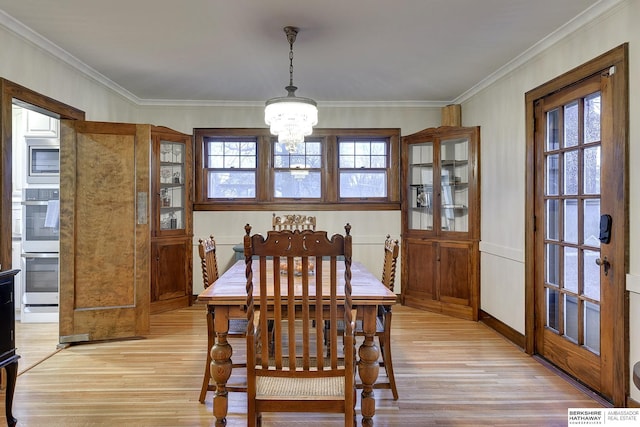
x=368 y=366
x=221 y=365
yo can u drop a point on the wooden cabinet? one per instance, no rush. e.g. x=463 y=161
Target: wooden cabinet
x=441 y=220
x=8 y=356
x=172 y=230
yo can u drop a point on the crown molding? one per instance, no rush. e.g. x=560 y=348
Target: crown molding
x=321 y=104
x=596 y=10
x=41 y=42
x=35 y=39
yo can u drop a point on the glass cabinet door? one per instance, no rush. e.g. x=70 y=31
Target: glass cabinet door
x=454 y=180
x=172 y=185
x=420 y=182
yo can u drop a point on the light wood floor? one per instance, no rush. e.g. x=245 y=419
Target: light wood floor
x=450 y=372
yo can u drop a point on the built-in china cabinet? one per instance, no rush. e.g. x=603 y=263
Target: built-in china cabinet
x=171 y=233
x=441 y=220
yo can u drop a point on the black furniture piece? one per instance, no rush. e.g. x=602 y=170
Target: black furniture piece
x=8 y=356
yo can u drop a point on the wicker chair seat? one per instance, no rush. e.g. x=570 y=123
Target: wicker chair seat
x=278 y=388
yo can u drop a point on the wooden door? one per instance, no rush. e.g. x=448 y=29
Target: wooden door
x=171 y=274
x=419 y=274
x=104 y=230
x=456 y=276
x=579 y=284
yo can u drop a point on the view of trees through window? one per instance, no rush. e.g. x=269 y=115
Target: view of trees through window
x=363 y=168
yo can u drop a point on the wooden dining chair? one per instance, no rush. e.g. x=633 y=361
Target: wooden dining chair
x=237 y=327
x=383 y=320
x=291 y=373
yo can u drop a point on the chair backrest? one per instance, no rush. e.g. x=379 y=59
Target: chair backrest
x=293 y=222
x=391 y=249
x=207 y=251
x=301 y=292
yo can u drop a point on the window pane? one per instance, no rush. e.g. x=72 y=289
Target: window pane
x=592 y=118
x=571 y=317
x=591 y=275
x=571 y=269
x=307 y=155
x=592 y=326
x=553 y=264
x=552 y=130
x=571 y=221
x=592 y=170
x=552 y=175
x=553 y=309
x=297 y=184
x=571 y=172
x=592 y=222
x=571 y=124
x=232 y=184
x=231 y=154
x=363 y=184
x=553 y=220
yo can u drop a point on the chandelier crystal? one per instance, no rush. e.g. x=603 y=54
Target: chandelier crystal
x=291 y=117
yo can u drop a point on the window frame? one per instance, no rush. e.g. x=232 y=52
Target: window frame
x=354 y=169
x=265 y=172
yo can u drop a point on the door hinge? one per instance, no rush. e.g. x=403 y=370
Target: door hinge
x=610 y=72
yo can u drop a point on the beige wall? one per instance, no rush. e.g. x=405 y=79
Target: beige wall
x=498 y=109
x=23 y=63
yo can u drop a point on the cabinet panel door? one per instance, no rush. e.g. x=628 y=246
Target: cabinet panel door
x=6 y=316
x=454 y=273
x=170 y=282
x=420 y=256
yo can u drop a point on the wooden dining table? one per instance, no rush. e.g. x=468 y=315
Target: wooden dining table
x=226 y=299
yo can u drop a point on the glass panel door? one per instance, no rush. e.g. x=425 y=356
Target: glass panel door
x=572 y=208
x=454 y=180
x=420 y=191
x=172 y=185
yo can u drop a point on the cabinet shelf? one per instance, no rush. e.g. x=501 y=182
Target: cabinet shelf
x=166 y=209
x=449 y=163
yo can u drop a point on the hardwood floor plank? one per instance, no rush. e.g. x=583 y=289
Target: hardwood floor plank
x=449 y=372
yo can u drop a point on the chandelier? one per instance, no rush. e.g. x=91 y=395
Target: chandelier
x=291 y=117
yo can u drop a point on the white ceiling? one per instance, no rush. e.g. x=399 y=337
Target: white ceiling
x=363 y=51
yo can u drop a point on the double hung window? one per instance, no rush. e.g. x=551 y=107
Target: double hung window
x=247 y=169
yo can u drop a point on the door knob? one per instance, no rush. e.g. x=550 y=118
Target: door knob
x=604 y=263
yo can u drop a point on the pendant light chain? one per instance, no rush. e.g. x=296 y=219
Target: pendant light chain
x=290 y=62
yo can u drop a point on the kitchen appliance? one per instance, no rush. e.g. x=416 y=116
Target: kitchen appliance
x=42 y=275
x=43 y=161
x=40 y=257
x=41 y=219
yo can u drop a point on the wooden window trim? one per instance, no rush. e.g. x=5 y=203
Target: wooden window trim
x=329 y=201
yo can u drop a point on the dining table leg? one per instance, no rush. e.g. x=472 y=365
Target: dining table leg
x=221 y=364
x=368 y=365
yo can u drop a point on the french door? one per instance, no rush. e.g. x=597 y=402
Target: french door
x=580 y=231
